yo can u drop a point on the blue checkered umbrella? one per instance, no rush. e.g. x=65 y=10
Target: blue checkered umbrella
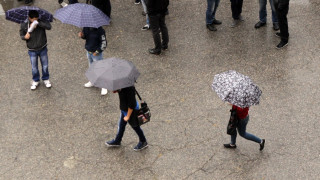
x=20 y=14
x=82 y=15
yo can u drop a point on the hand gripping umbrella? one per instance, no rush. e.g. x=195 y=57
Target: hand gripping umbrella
x=112 y=73
x=236 y=89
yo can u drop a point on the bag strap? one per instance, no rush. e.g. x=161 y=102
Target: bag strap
x=138 y=95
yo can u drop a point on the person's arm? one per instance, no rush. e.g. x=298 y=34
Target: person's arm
x=44 y=24
x=126 y=118
x=23 y=32
x=103 y=41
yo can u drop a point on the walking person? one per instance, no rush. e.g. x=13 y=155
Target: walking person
x=282 y=8
x=157 y=12
x=236 y=8
x=128 y=104
x=243 y=117
x=96 y=42
x=263 y=15
x=33 y=31
x=211 y=21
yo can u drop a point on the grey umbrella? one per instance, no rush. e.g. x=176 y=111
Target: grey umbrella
x=112 y=73
x=236 y=89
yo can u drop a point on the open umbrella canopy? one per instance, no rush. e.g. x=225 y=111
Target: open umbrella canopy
x=112 y=73
x=20 y=14
x=236 y=89
x=82 y=15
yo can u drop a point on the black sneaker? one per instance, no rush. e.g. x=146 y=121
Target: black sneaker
x=259 y=25
x=155 y=51
x=282 y=44
x=113 y=143
x=216 y=22
x=137 y=2
x=211 y=27
x=262 y=144
x=164 y=47
x=230 y=146
x=140 y=146
x=278 y=34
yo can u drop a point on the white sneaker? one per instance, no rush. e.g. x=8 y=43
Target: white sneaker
x=88 y=84
x=104 y=91
x=34 y=85
x=47 y=83
x=145 y=27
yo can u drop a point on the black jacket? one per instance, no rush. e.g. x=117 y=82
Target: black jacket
x=95 y=39
x=127 y=98
x=157 y=6
x=103 y=5
x=38 y=37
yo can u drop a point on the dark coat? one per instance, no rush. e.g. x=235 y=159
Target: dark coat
x=157 y=6
x=38 y=38
x=95 y=39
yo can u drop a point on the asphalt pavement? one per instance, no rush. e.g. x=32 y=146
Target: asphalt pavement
x=59 y=133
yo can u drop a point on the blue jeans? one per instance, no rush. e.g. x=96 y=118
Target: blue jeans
x=211 y=10
x=43 y=54
x=263 y=11
x=145 y=10
x=92 y=58
x=242 y=131
x=122 y=127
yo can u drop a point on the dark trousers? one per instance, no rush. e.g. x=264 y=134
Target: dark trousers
x=73 y=1
x=236 y=8
x=283 y=21
x=122 y=127
x=158 y=24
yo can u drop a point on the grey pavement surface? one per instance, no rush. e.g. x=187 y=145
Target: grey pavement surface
x=59 y=133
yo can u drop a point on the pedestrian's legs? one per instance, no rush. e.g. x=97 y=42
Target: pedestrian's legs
x=242 y=131
x=263 y=11
x=209 y=13
x=274 y=14
x=164 y=31
x=108 y=9
x=155 y=27
x=121 y=128
x=89 y=56
x=145 y=11
x=44 y=63
x=283 y=23
x=139 y=132
x=234 y=9
x=216 y=4
x=239 y=7
x=34 y=64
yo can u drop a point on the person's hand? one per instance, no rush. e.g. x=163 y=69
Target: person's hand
x=94 y=54
x=126 y=118
x=27 y=36
x=80 y=34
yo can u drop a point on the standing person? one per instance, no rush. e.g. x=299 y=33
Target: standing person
x=33 y=31
x=236 y=8
x=212 y=6
x=103 y=5
x=282 y=8
x=128 y=103
x=157 y=12
x=243 y=116
x=263 y=15
x=96 y=42
x=147 y=26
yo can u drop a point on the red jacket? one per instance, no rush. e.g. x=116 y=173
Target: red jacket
x=241 y=112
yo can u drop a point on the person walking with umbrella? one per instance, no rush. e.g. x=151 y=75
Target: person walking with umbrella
x=119 y=76
x=128 y=104
x=96 y=42
x=33 y=31
x=241 y=93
